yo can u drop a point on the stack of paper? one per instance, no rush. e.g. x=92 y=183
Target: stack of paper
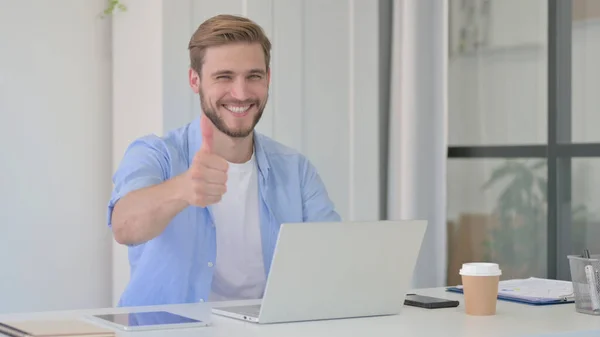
x=537 y=289
x=533 y=291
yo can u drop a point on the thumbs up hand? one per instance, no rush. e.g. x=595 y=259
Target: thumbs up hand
x=207 y=134
x=206 y=179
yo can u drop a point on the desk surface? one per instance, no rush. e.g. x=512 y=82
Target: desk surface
x=512 y=319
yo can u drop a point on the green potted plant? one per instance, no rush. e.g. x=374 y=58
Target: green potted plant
x=518 y=241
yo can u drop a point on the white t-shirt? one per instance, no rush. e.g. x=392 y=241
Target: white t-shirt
x=239 y=269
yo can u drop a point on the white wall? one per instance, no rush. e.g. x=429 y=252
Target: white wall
x=137 y=95
x=55 y=70
x=324 y=98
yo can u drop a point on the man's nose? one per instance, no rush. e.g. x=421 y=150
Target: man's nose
x=239 y=89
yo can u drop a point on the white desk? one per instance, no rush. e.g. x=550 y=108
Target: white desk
x=512 y=319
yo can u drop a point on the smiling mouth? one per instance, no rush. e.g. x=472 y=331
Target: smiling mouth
x=238 y=109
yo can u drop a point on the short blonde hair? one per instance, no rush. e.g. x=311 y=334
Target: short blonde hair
x=225 y=29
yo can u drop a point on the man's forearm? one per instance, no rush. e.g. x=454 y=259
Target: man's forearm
x=143 y=214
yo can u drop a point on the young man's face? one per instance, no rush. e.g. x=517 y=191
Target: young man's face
x=233 y=87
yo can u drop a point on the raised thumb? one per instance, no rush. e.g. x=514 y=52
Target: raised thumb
x=206 y=128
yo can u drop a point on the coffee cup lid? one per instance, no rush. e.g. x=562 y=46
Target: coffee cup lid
x=480 y=269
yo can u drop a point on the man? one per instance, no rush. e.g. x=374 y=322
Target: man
x=200 y=208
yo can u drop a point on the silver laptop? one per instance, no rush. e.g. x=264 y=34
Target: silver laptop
x=335 y=270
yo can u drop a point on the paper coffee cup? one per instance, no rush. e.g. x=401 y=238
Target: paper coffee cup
x=480 y=286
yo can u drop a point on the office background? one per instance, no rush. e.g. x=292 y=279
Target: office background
x=372 y=92
x=523 y=168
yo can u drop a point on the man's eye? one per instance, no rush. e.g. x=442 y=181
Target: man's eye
x=255 y=77
x=223 y=77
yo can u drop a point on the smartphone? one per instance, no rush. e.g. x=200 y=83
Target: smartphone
x=428 y=302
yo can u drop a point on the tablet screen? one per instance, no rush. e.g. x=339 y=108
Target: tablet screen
x=151 y=318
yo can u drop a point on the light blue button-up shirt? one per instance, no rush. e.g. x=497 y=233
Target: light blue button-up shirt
x=177 y=266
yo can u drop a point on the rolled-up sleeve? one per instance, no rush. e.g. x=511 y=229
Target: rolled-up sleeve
x=145 y=163
x=317 y=205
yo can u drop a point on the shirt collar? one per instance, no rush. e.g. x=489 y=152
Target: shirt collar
x=195 y=141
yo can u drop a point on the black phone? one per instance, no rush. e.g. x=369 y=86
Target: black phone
x=428 y=302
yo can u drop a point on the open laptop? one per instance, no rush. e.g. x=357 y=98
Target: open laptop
x=332 y=270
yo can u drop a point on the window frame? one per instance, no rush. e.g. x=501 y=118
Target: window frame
x=559 y=150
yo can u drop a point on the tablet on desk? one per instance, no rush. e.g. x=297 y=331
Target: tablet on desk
x=150 y=320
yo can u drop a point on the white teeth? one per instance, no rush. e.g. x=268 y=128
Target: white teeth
x=237 y=109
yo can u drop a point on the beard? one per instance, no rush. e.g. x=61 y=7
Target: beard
x=212 y=113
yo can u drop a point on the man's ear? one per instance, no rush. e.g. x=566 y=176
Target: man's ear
x=194 y=79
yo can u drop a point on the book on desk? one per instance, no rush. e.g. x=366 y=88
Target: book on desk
x=53 y=328
x=533 y=291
